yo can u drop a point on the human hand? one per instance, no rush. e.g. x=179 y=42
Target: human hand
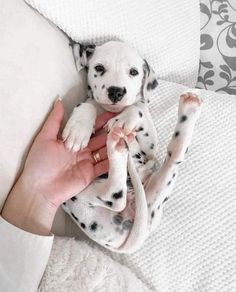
x=52 y=175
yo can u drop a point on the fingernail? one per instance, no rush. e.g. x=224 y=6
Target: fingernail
x=58 y=98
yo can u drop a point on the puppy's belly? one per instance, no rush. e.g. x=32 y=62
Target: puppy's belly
x=103 y=225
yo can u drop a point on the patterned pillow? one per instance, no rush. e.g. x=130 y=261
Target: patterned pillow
x=217 y=70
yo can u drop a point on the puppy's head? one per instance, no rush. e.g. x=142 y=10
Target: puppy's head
x=117 y=75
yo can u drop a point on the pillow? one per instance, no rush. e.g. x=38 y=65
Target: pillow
x=36 y=64
x=217 y=69
x=164 y=32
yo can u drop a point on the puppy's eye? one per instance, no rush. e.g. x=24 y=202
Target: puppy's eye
x=99 y=68
x=133 y=72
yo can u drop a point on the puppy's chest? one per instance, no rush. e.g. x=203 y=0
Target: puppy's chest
x=144 y=147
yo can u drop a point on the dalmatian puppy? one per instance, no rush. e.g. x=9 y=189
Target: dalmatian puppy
x=120 y=209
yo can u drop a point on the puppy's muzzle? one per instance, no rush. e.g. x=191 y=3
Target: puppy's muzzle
x=115 y=94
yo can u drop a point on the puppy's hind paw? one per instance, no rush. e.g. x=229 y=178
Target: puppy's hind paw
x=119 y=140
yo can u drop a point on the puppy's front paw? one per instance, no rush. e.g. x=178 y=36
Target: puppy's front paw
x=75 y=136
x=79 y=127
x=129 y=120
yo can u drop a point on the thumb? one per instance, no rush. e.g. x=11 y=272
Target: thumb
x=52 y=124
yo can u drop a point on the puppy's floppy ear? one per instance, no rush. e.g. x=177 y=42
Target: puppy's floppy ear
x=81 y=54
x=149 y=81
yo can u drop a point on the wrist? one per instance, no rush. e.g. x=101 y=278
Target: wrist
x=27 y=208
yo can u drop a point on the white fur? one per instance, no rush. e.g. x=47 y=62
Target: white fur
x=122 y=224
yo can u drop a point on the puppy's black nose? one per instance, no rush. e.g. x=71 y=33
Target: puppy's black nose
x=115 y=94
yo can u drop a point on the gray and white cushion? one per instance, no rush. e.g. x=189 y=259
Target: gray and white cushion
x=217 y=69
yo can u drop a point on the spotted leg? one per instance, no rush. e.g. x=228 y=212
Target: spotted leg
x=159 y=185
x=115 y=192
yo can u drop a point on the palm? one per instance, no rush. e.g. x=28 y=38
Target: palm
x=60 y=173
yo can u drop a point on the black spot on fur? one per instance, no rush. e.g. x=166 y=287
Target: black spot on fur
x=166 y=199
x=176 y=134
x=136 y=138
x=178 y=162
x=94 y=226
x=95 y=75
x=138 y=156
x=95 y=86
x=186 y=150
x=73 y=199
x=127 y=224
x=152 y=214
x=103 y=86
x=169 y=153
x=174 y=174
x=82 y=225
x=117 y=219
x=89 y=87
x=143 y=153
x=169 y=182
x=152 y=146
x=109 y=203
x=183 y=118
x=88 y=54
x=64 y=203
x=152 y=85
x=117 y=195
x=73 y=215
x=146 y=134
x=78 y=104
x=140 y=114
x=140 y=161
x=139 y=129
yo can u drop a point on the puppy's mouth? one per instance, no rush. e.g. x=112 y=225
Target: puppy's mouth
x=114 y=108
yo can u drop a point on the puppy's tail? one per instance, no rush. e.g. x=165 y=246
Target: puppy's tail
x=138 y=232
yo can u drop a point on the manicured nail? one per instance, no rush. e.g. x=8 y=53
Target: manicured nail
x=58 y=98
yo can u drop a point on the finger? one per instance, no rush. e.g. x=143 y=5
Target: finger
x=101 y=168
x=52 y=124
x=102 y=154
x=103 y=119
x=97 y=142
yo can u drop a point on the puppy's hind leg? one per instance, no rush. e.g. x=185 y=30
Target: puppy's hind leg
x=160 y=183
x=114 y=196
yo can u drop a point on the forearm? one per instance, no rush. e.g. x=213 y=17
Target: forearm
x=27 y=208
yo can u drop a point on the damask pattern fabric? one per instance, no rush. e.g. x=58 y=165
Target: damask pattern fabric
x=217 y=69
